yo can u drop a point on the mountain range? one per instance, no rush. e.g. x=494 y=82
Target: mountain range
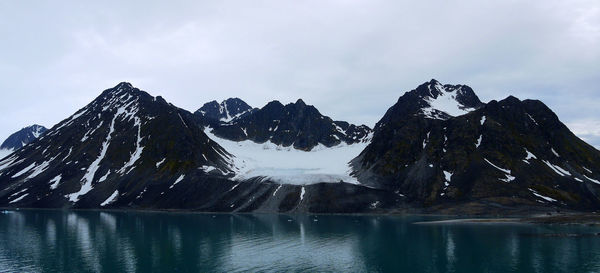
x=438 y=149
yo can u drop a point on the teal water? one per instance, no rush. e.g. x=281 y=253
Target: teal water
x=92 y=241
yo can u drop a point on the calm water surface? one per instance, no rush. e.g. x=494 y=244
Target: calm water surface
x=57 y=241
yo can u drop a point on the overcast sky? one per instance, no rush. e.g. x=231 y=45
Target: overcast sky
x=351 y=59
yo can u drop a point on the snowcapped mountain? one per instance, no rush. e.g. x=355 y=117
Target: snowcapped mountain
x=438 y=149
x=214 y=113
x=461 y=154
x=125 y=146
x=296 y=125
x=127 y=149
x=21 y=138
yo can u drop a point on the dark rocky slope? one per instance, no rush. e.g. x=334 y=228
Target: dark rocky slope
x=296 y=124
x=500 y=155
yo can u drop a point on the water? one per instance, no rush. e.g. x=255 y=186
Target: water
x=93 y=241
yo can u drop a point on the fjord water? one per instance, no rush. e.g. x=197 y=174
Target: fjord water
x=103 y=241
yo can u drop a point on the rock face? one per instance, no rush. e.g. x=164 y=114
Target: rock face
x=23 y=137
x=296 y=124
x=506 y=153
x=213 y=113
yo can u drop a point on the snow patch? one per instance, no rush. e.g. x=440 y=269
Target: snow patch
x=482 y=121
x=591 y=179
x=55 y=181
x=554 y=152
x=91 y=171
x=138 y=149
x=478 y=141
x=160 y=162
x=445 y=102
x=557 y=169
x=177 y=181
x=506 y=172
x=103 y=178
x=110 y=199
x=40 y=169
x=19 y=198
x=275 y=192
x=532 y=119
x=302 y=194
x=541 y=196
x=23 y=171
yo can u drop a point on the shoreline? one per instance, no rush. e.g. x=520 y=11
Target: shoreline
x=564 y=218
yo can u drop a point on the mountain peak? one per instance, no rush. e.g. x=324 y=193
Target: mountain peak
x=23 y=137
x=226 y=111
x=443 y=101
x=124 y=85
x=300 y=102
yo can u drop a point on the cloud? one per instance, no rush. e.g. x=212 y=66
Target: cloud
x=588 y=130
x=351 y=59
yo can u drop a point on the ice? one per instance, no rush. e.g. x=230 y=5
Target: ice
x=55 y=181
x=286 y=165
x=506 y=172
x=110 y=199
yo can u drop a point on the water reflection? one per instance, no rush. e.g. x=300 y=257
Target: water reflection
x=57 y=241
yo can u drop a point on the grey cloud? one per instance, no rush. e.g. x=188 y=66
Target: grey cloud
x=351 y=59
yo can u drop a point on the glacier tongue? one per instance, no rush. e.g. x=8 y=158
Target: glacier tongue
x=287 y=165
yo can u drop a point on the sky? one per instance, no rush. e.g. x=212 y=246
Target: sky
x=351 y=59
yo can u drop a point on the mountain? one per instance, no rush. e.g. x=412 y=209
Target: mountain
x=21 y=138
x=439 y=149
x=445 y=150
x=128 y=149
x=296 y=125
x=123 y=145
x=214 y=113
